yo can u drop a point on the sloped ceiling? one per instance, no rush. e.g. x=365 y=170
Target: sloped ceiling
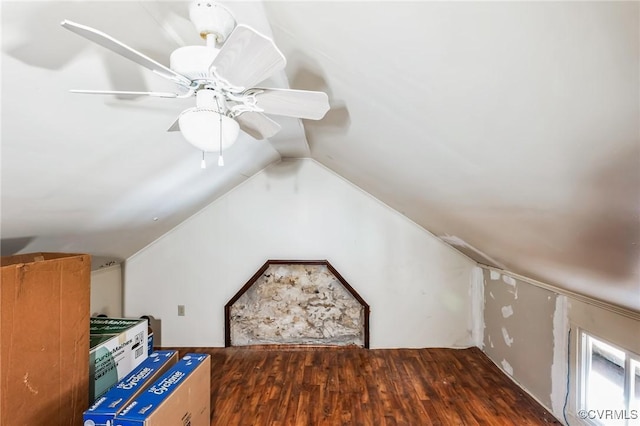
x=508 y=129
x=99 y=174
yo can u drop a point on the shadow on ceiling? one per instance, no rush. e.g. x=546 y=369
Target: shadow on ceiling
x=598 y=235
x=11 y=246
x=307 y=76
x=60 y=47
x=609 y=237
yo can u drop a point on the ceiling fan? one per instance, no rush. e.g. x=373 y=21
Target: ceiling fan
x=221 y=75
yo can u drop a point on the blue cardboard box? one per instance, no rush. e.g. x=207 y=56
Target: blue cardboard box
x=181 y=396
x=105 y=408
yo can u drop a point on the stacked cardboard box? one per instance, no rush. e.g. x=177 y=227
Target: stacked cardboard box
x=118 y=345
x=181 y=396
x=104 y=410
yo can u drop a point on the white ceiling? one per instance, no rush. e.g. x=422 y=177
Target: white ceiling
x=508 y=129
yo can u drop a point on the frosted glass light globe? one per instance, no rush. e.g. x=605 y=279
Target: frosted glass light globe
x=201 y=128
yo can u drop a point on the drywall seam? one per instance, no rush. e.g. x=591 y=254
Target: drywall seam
x=559 y=368
x=476 y=290
x=634 y=315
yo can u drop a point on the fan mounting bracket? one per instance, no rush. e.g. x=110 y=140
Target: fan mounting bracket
x=211 y=17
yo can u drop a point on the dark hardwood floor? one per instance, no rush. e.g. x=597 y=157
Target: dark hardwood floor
x=352 y=386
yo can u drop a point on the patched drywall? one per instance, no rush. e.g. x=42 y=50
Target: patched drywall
x=297 y=304
x=532 y=332
x=518 y=333
x=417 y=286
x=560 y=366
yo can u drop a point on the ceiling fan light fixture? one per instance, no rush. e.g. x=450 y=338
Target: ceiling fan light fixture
x=222 y=77
x=202 y=129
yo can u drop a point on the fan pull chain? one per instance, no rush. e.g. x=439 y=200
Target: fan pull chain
x=220 y=159
x=203 y=164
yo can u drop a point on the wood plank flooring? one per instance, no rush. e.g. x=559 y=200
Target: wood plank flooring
x=286 y=386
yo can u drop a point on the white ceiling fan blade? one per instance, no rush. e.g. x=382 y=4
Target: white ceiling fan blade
x=247 y=58
x=292 y=103
x=118 y=47
x=119 y=92
x=257 y=125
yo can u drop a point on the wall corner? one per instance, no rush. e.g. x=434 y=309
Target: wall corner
x=476 y=292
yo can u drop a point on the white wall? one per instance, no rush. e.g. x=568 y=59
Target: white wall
x=106 y=291
x=535 y=340
x=418 y=287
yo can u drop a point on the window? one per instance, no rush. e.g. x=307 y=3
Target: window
x=609 y=383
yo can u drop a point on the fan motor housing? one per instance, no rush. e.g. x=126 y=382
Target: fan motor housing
x=193 y=61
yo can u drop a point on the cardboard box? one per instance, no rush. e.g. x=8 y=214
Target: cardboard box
x=150 y=342
x=104 y=410
x=111 y=326
x=182 y=396
x=44 y=330
x=118 y=345
x=155 y=325
x=150 y=345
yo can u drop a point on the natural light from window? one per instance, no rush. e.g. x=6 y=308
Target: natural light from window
x=610 y=384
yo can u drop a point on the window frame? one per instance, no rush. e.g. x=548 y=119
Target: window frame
x=585 y=345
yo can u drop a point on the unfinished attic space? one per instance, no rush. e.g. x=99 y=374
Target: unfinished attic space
x=319 y=213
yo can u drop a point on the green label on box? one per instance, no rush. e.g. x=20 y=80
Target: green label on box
x=111 y=325
x=103 y=369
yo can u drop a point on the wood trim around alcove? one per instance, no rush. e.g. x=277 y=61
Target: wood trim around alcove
x=258 y=274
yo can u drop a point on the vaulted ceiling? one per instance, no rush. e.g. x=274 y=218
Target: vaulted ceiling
x=508 y=129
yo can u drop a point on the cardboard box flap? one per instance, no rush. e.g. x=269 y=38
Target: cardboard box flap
x=34 y=257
